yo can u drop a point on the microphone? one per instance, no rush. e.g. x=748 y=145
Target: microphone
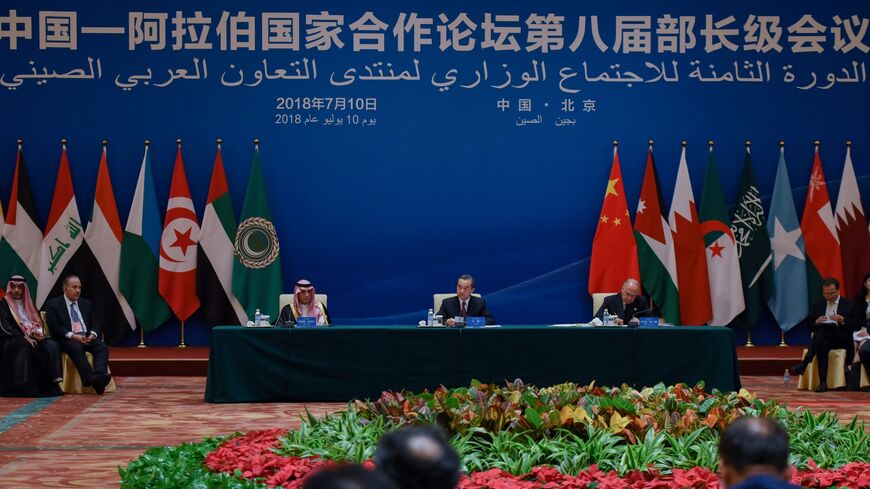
x=634 y=315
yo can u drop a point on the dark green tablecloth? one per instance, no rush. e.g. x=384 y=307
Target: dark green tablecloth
x=341 y=363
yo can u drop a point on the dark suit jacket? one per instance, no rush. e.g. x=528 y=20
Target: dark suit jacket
x=57 y=317
x=859 y=315
x=844 y=308
x=764 y=482
x=476 y=307
x=613 y=304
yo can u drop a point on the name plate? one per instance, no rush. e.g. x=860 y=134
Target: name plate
x=306 y=322
x=475 y=321
x=649 y=322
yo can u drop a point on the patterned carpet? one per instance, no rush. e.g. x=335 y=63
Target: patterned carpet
x=80 y=440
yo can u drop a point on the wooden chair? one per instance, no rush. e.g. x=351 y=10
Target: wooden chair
x=72 y=381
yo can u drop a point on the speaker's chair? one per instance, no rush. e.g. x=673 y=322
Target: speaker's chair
x=836 y=372
x=598 y=299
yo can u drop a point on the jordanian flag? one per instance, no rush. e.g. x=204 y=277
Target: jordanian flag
x=753 y=248
x=257 y=268
x=215 y=260
x=22 y=239
x=655 y=246
x=139 y=254
x=63 y=235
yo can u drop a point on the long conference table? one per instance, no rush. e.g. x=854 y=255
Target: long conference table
x=341 y=363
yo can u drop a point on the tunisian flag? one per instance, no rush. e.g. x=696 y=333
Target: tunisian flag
x=614 y=252
x=695 y=308
x=178 y=246
x=820 y=234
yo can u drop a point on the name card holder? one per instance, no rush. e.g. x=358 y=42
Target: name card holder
x=475 y=321
x=646 y=322
x=306 y=322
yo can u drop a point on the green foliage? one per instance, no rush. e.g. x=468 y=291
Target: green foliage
x=179 y=467
x=343 y=436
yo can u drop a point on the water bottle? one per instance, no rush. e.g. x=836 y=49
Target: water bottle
x=257 y=317
x=786 y=378
x=606 y=317
x=430 y=318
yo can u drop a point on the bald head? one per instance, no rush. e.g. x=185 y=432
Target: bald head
x=630 y=290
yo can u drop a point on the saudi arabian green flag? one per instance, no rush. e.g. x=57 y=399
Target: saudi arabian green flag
x=753 y=248
x=140 y=250
x=257 y=266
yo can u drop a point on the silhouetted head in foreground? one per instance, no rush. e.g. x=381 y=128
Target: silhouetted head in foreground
x=418 y=458
x=348 y=476
x=757 y=449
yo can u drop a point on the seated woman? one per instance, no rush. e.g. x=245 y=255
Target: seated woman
x=303 y=305
x=861 y=318
x=29 y=362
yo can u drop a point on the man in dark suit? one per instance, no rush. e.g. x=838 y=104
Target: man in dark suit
x=831 y=330
x=76 y=330
x=753 y=454
x=627 y=305
x=464 y=304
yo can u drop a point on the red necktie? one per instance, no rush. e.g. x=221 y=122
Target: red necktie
x=462 y=311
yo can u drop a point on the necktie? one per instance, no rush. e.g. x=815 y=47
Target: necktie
x=77 y=325
x=462 y=310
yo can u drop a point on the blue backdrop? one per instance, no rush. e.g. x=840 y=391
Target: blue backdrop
x=449 y=159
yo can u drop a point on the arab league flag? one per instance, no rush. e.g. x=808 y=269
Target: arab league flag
x=753 y=248
x=178 y=246
x=614 y=254
x=820 y=234
x=139 y=251
x=257 y=268
x=102 y=252
x=689 y=247
x=789 y=301
x=63 y=233
x=215 y=261
x=22 y=239
x=723 y=266
x=655 y=246
x=854 y=235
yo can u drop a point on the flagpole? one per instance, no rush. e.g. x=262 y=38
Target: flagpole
x=182 y=344
x=749 y=343
x=782 y=339
x=141 y=338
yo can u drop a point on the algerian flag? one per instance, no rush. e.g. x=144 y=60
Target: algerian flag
x=215 y=280
x=723 y=266
x=257 y=268
x=139 y=254
x=22 y=239
x=753 y=248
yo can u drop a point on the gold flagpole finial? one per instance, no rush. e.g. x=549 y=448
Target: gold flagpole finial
x=178 y=142
x=219 y=142
x=848 y=143
x=651 y=142
x=615 y=143
x=256 y=144
x=147 y=143
x=63 y=141
x=748 y=143
x=782 y=144
x=104 y=142
x=684 y=143
x=817 y=143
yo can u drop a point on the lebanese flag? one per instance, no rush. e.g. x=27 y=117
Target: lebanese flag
x=689 y=247
x=63 y=233
x=854 y=235
x=820 y=234
x=102 y=254
x=614 y=252
x=178 y=245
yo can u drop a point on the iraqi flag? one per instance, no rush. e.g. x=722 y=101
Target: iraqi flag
x=820 y=234
x=689 y=247
x=178 y=246
x=215 y=261
x=614 y=253
x=852 y=230
x=102 y=253
x=22 y=239
x=63 y=235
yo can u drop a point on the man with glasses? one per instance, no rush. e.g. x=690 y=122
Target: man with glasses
x=464 y=304
x=830 y=330
x=628 y=305
x=303 y=305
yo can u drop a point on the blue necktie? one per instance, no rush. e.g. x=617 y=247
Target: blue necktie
x=74 y=314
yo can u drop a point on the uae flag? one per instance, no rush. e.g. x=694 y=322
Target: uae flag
x=690 y=250
x=852 y=230
x=140 y=249
x=102 y=252
x=753 y=248
x=22 y=239
x=178 y=246
x=820 y=234
x=655 y=246
x=63 y=236
x=257 y=268
x=614 y=253
x=723 y=266
x=215 y=261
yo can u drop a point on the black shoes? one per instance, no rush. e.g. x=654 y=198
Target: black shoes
x=798 y=368
x=99 y=382
x=823 y=387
